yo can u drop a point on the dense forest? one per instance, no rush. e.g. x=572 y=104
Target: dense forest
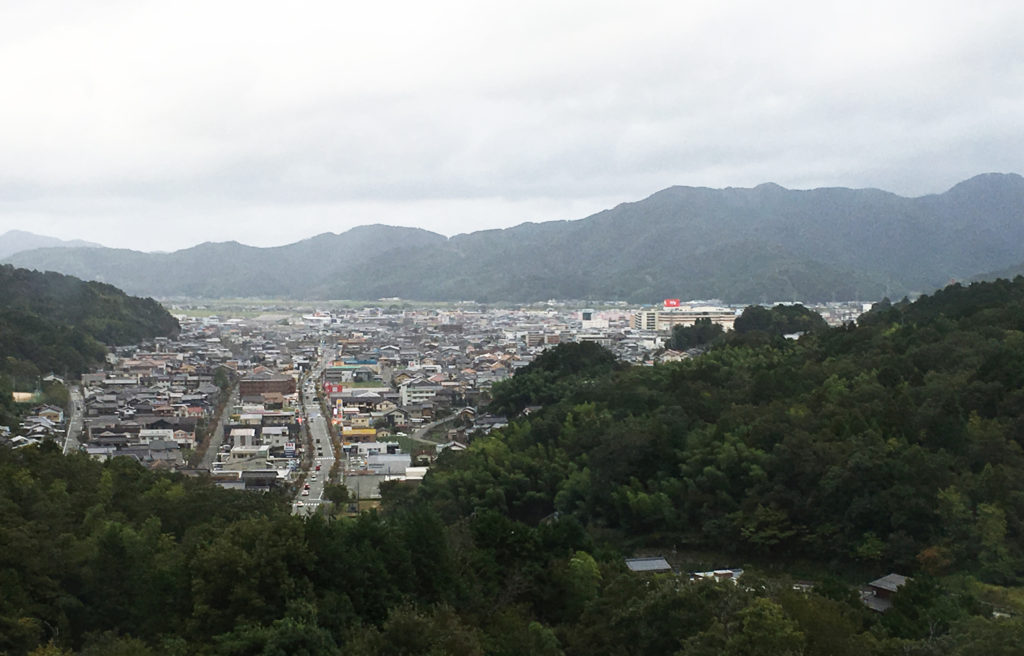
x=896 y=442
x=893 y=445
x=793 y=320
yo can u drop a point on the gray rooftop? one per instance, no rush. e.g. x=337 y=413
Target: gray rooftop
x=890 y=582
x=657 y=564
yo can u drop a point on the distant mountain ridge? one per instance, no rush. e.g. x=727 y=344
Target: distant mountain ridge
x=16 y=241
x=232 y=269
x=765 y=243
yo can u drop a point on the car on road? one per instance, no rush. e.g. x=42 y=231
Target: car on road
x=318 y=467
x=305 y=493
x=306 y=487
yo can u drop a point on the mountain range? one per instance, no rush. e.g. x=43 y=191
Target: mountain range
x=741 y=245
x=16 y=241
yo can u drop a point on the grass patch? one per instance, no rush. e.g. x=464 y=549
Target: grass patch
x=1009 y=599
x=408 y=445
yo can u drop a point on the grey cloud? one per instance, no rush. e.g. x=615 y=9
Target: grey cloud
x=521 y=112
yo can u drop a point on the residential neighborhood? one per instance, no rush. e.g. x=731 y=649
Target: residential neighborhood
x=268 y=401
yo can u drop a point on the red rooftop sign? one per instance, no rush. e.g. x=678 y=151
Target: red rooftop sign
x=671 y=302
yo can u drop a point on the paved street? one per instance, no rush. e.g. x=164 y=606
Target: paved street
x=419 y=435
x=217 y=438
x=72 y=441
x=323 y=449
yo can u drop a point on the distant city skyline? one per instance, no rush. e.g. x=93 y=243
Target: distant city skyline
x=158 y=126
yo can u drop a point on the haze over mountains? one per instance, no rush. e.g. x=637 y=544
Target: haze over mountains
x=16 y=241
x=741 y=245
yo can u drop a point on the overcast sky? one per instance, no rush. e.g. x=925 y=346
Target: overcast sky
x=159 y=125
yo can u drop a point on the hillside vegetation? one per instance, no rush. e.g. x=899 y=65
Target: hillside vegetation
x=55 y=323
x=740 y=245
x=894 y=445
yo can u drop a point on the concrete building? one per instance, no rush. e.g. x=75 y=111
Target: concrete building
x=589 y=321
x=417 y=391
x=665 y=320
x=266 y=382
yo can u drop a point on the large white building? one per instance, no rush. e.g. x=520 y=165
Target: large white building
x=590 y=321
x=664 y=320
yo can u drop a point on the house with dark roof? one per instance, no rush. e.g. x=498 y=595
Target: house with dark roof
x=879 y=593
x=258 y=383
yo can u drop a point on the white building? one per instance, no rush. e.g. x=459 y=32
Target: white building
x=590 y=322
x=417 y=391
x=664 y=320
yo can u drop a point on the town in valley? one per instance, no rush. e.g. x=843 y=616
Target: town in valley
x=332 y=402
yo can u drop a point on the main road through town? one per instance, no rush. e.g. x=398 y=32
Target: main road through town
x=308 y=500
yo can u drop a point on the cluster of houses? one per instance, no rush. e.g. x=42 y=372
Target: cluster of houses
x=155 y=401
x=260 y=435
x=877 y=595
x=43 y=422
x=394 y=370
x=148 y=402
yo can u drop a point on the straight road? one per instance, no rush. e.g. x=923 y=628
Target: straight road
x=307 y=501
x=217 y=437
x=72 y=442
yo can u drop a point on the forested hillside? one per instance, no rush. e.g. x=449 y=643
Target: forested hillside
x=741 y=245
x=51 y=322
x=894 y=445
x=897 y=442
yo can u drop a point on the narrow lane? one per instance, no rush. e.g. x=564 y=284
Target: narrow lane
x=419 y=435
